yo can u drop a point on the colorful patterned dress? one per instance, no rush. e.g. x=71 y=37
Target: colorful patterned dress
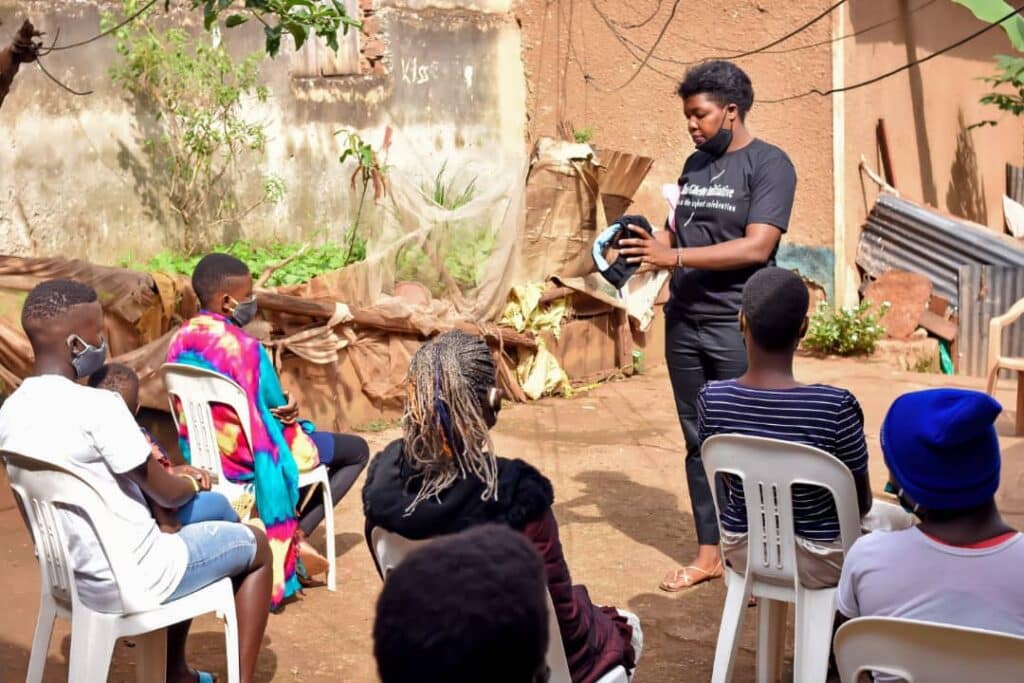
x=279 y=452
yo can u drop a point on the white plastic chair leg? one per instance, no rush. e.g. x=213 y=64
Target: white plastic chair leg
x=815 y=616
x=332 y=569
x=41 y=640
x=771 y=639
x=152 y=657
x=231 y=641
x=92 y=645
x=729 y=631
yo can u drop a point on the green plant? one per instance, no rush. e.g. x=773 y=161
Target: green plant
x=377 y=426
x=188 y=95
x=455 y=253
x=848 y=332
x=370 y=169
x=583 y=135
x=443 y=192
x=297 y=17
x=462 y=252
x=992 y=11
x=926 y=364
x=1009 y=72
x=316 y=261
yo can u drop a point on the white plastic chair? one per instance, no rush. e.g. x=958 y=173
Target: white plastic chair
x=197 y=388
x=391 y=549
x=923 y=652
x=769 y=468
x=44 y=489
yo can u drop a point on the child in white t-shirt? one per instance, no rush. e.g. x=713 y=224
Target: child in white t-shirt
x=91 y=433
x=961 y=564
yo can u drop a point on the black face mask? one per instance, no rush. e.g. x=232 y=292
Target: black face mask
x=619 y=272
x=719 y=143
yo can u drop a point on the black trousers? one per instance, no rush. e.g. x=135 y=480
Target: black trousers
x=344 y=462
x=698 y=351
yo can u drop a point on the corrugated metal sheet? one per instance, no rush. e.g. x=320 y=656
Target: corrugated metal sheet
x=1015 y=183
x=907 y=236
x=987 y=292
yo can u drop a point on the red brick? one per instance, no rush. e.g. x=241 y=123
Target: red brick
x=371 y=26
x=373 y=48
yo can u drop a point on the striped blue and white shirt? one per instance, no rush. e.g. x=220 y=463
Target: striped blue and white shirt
x=816 y=415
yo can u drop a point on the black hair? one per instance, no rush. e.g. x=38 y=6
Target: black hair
x=775 y=306
x=115 y=377
x=722 y=81
x=463 y=609
x=211 y=272
x=51 y=299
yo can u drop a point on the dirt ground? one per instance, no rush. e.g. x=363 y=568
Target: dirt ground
x=615 y=458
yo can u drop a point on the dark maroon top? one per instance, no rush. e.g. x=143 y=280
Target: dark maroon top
x=596 y=639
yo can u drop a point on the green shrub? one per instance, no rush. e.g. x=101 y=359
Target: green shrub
x=315 y=261
x=583 y=135
x=848 y=332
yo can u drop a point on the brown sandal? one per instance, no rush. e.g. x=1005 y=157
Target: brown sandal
x=681 y=579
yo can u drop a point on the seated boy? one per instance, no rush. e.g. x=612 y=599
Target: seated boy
x=92 y=434
x=207 y=506
x=961 y=564
x=465 y=608
x=283 y=444
x=768 y=401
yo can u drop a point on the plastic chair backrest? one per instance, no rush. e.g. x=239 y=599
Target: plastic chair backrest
x=196 y=389
x=769 y=468
x=922 y=652
x=391 y=549
x=46 y=491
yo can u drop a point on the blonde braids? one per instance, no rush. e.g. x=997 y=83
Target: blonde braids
x=445 y=434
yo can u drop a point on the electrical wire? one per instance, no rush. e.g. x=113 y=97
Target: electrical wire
x=893 y=72
x=798 y=48
x=657 y=41
x=62 y=85
x=106 y=33
x=764 y=48
x=649 y=52
x=639 y=24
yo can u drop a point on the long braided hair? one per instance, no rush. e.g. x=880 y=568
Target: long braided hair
x=446 y=436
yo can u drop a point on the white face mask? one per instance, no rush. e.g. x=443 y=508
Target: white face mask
x=89 y=359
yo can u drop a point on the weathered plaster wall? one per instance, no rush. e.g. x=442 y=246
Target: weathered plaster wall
x=74 y=180
x=927 y=111
x=580 y=55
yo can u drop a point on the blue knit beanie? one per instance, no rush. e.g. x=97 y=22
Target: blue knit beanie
x=941 y=447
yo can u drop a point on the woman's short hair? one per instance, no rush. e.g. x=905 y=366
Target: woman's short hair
x=721 y=81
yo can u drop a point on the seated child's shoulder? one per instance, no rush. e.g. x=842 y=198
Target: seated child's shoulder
x=880 y=544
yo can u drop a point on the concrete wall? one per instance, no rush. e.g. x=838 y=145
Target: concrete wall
x=927 y=111
x=74 y=180
x=578 y=62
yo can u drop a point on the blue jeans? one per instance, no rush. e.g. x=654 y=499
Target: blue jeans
x=207 y=506
x=216 y=550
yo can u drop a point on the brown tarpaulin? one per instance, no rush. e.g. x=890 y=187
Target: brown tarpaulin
x=143 y=310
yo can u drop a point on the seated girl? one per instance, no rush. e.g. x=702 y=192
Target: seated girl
x=283 y=445
x=443 y=477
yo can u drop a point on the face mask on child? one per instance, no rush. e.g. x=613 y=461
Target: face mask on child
x=244 y=312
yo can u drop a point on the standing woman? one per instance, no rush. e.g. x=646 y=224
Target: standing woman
x=736 y=195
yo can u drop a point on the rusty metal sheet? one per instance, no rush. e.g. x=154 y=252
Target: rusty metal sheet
x=907 y=295
x=987 y=292
x=902 y=235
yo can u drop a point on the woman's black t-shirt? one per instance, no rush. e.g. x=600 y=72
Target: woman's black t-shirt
x=719 y=197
